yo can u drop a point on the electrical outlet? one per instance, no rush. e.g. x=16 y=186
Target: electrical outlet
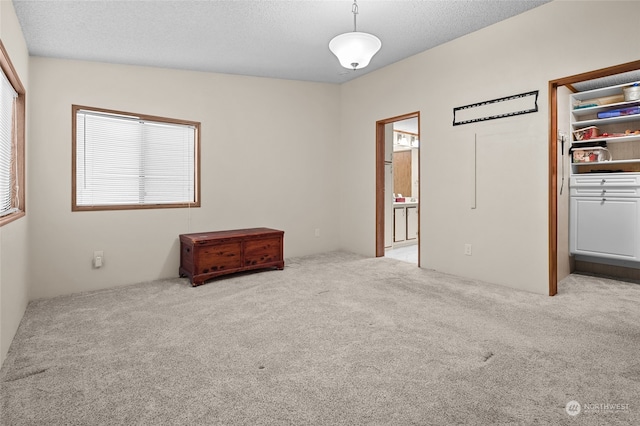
x=317 y=232
x=467 y=249
x=98 y=259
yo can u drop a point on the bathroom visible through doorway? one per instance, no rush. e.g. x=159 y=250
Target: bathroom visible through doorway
x=398 y=188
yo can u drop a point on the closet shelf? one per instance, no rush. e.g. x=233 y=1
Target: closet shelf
x=592 y=163
x=603 y=121
x=579 y=112
x=610 y=139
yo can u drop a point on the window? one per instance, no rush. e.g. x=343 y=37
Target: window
x=130 y=161
x=12 y=119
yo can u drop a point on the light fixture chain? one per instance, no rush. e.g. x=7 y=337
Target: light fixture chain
x=354 y=10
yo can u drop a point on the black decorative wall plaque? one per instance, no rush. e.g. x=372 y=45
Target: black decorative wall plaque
x=523 y=103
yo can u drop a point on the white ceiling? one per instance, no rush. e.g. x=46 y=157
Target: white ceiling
x=281 y=39
x=623 y=78
x=409 y=125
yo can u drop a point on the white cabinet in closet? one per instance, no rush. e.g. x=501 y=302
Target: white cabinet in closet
x=605 y=216
x=604 y=220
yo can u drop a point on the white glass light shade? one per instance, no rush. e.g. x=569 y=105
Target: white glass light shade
x=355 y=49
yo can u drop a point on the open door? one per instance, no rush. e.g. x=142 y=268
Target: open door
x=383 y=195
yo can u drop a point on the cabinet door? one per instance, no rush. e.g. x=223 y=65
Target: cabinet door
x=388 y=206
x=412 y=223
x=399 y=224
x=402 y=173
x=605 y=227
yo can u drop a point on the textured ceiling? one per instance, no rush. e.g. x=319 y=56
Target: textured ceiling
x=623 y=78
x=279 y=39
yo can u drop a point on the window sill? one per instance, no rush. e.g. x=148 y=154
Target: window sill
x=11 y=217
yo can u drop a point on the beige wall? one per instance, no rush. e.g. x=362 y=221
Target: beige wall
x=300 y=156
x=268 y=149
x=14 y=283
x=564 y=259
x=508 y=230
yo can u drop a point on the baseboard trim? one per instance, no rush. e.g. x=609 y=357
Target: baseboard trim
x=613 y=271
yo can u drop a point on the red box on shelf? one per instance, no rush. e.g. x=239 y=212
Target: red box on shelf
x=587 y=133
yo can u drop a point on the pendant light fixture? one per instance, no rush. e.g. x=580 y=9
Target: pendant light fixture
x=354 y=50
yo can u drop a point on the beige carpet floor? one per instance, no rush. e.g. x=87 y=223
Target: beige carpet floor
x=333 y=339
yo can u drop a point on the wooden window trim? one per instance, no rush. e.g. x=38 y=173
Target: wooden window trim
x=7 y=67
x=196 y=124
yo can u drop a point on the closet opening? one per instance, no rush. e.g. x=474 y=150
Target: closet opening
x=571 y=115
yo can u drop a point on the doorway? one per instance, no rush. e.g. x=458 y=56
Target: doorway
x=398 y=187
x=554 y=85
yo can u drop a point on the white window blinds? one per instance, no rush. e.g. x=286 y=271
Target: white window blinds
x=8 y=154
x=125 y=160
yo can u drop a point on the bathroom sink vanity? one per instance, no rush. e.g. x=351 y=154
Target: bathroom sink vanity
x=405 y=223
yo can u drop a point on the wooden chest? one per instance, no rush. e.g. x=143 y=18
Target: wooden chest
x=207 y=255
